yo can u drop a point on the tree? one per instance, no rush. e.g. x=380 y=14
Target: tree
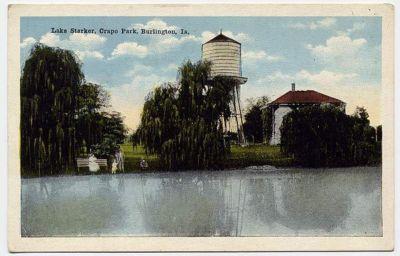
x=364 y=137
x=379 y=133
x=183 y=123
x=266 y=116
x=325 y=136
x=254 y=121
x=92 y=100
x=112 y=133
x=50 y=83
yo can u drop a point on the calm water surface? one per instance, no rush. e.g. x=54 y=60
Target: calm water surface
x=251 y=202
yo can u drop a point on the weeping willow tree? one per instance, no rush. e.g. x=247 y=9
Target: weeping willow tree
x=49 y=85
x=182 y=123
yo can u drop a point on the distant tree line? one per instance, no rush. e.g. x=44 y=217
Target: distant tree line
x=183 y=123
x=62 y=116
x=325 y=136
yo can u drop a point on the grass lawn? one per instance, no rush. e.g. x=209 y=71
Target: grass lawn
x=259 y=154
x=133 y=157
x=239 y=157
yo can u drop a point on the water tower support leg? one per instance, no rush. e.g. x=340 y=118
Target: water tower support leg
x=236 y=114
x=240 y=115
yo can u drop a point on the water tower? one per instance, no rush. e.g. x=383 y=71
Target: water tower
x=224 y=53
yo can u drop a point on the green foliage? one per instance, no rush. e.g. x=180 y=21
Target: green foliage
x=61 y=115
x=255 y=118
x=239 y=157
x=49 y=84
x=379 y=133
x=92 y=98
x=326 y=136
x=266 y=117
x=182 y=123
x=111 y=132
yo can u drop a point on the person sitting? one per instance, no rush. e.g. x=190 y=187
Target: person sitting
x=93 y=165
x=143 y=164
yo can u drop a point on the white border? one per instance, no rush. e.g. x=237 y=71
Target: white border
x=3 y=94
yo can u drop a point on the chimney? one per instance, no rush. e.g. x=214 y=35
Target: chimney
x=293 y=87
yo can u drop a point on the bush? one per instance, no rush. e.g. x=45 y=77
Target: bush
x=325 y=136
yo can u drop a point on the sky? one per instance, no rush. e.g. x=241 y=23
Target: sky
x=337 y=56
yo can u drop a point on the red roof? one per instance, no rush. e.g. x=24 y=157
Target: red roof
x=305 y=97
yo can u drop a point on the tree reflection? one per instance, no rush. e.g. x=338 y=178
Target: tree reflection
x=313 y=203
x=61 y=211
x=299 y=202
x=189 y=206
x=262 y=200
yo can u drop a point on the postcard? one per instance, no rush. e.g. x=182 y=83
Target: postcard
x=200 y=127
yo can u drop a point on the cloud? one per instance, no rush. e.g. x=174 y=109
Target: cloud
x=321 y=78
x=277 y=76
x=87 y=41
x=139 y=69
x=74 y=41
x=240 y=37
x=154 y=24
x=84 y=45
x=325 y=77
x=344 y=52
x=357 y=26
x=260 y=56
x=338 y=46
x=50 y=39
x=89 y=54
x=171 y=67
x=27 y=42
x=168 y=42
x=130 y=48
x=346 y=86
x=320 y=24
x=157 y=44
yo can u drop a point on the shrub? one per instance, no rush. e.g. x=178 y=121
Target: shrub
x=325 y=136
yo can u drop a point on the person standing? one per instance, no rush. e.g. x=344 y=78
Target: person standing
x=119 y=157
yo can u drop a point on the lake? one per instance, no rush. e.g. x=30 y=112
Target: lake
x=259 y=201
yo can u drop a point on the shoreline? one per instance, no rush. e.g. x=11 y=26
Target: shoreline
x=244 y=158
x=249 y=169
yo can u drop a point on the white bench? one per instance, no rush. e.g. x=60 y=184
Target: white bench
x=84 y=162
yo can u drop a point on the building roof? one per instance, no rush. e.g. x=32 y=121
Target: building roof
x=221 y=38
x=305 y=97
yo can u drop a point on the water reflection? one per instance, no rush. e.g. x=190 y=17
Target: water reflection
x=262 y=200
x=297 y=202
x=188 y=206
x=59 y=207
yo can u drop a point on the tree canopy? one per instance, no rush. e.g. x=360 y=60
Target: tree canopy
x=255 y=119
x=61 y=114
x=182 y=123
x=50 y=82
x=326 y=136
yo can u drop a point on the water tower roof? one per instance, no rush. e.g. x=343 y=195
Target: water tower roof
x=221 y=38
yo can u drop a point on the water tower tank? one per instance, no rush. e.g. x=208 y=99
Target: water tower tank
x=224 y=53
